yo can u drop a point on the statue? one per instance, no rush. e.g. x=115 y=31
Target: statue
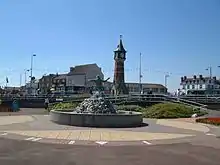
x=99 y=83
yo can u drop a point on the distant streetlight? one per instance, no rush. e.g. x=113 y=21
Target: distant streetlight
x=165 y=79
x=25 y=75
x=210 y=71
x=140 y=75
x=32 y=58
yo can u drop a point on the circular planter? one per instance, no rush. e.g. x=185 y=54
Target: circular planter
x=120 y=120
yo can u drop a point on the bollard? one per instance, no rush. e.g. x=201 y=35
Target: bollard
x=15 y=106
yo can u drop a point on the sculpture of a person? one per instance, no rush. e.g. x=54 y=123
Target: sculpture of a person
x=99 y=83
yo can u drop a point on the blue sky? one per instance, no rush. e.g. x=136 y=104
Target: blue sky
x=177 y=36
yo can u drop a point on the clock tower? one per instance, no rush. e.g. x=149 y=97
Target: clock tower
x=119 y=86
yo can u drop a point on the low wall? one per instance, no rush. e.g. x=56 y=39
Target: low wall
x=97 y=120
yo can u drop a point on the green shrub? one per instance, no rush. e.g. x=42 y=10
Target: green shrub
x=129 y=108
x=63 y=106
x=171 y=110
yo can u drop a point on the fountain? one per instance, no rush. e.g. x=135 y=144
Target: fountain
x=97 y=111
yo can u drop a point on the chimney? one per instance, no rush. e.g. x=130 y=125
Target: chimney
x=71 y=69
x=182 y=79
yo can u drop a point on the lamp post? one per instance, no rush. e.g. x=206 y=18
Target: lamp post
x=165 y=79
x=210 y=71
x=140 y=76
x=32 y=59
x=25 y=76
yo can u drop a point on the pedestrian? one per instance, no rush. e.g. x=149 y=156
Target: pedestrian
x=46 y=103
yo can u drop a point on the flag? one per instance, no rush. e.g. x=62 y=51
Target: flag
x=6 y=79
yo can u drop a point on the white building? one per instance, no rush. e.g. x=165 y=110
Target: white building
x=78 y=79
x=32 y=88
x=200 y=85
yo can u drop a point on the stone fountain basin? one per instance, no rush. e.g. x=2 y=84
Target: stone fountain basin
x=121 y=119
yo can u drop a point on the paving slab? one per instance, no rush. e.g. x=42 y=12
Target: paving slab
x=183 y=125
x=97 y=135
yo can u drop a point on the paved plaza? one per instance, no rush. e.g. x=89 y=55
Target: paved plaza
x=31 y=132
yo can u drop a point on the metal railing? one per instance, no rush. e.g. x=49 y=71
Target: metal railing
x=187 y=102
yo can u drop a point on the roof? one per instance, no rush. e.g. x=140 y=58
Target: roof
x=184 y=79
x=149 y=85
x=120 y=47
x=61 y=76
x=82 y=69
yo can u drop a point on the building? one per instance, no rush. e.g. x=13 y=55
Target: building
x=89 y=70
x=32 y=88
x=134 y=88
x=200 y=85
x=78 y=79
x=119 y=86
x=45 y=83
x=11 y=90
x=59 y=84
x=146 y=88
x=75 y=83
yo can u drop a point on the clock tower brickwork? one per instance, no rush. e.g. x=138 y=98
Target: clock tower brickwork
x=119 y=86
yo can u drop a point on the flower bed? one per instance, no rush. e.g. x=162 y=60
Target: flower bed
x=209 y=120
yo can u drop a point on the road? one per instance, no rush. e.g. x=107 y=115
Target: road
x=201 y=149
x=13 y=152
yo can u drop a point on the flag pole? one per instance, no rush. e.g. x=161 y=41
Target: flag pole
x=6 y=82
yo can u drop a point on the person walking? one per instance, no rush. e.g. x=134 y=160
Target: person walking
x=46 y=103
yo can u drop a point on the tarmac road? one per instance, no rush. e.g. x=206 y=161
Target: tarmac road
x=14 y=152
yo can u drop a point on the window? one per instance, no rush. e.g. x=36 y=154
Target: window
x=200 y=86
x=155 y=90
x=193 y=86
x=210 y=81
x=162 y=90
x=183 y=87
x=197 y=81
x=187 y=86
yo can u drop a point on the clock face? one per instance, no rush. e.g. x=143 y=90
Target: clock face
x=122 y=55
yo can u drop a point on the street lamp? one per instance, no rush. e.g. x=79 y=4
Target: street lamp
x=165 y=79
x=32 y=58
x=210 y=71
x=140 y=76
x=25 y=75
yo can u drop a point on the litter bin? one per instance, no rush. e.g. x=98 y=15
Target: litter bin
x=15 y=106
